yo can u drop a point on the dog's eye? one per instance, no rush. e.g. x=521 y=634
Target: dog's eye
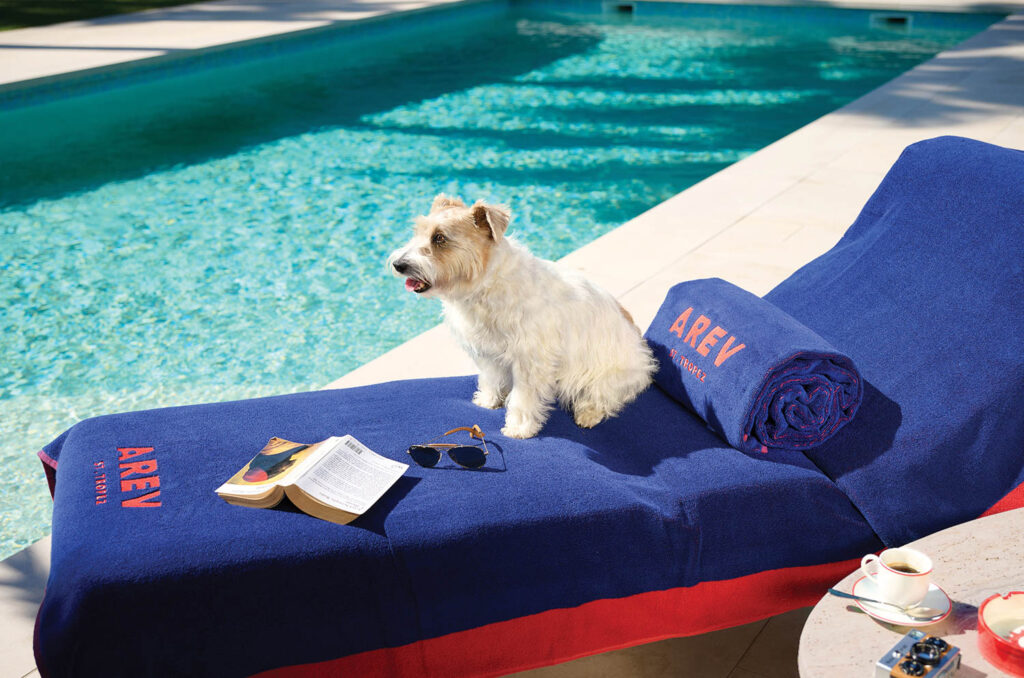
x=439 y=239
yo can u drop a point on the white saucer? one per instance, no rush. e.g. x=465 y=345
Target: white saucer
x=935 y=599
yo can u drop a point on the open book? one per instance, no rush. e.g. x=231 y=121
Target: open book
x=337 y=479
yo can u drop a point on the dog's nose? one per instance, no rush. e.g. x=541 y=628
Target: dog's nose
x=401 y=266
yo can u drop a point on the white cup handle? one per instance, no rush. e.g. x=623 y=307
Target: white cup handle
x=869 y=558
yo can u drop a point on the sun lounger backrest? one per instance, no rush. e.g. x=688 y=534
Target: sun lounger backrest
x=926 y=293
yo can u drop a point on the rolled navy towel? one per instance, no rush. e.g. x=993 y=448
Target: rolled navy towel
x=758 y=377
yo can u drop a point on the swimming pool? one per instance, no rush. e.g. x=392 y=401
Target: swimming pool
x=216 y=228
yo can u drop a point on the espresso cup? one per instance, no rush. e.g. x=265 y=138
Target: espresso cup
x=901 y=576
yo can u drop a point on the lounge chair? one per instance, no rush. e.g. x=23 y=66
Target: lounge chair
x=578 y=541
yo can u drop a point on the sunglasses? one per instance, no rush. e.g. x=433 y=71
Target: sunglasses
x=466 y=456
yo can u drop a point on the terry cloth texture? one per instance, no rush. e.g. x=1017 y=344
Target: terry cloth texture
x=644 y=527
x=758 y=377
x=926 y=293
x=578 y=541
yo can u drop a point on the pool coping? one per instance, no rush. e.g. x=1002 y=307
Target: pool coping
x=753 y=223
x=31 y=58
x=39 y=56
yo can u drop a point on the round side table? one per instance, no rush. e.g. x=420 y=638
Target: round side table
x=972 y=561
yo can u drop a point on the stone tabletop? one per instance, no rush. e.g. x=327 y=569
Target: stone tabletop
x=972 y=561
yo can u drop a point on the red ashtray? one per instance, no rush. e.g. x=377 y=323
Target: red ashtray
x=1001 y=632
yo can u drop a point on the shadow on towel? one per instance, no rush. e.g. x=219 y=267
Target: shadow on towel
x=373 y=519
x=868 y=436
x=649 y=434
x=680 y=433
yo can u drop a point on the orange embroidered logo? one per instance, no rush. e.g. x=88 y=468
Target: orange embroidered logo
x=99 y=478
x=139 y=474
x=698 y=373
x=699 y=326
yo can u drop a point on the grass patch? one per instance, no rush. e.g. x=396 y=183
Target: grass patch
x=26 y=13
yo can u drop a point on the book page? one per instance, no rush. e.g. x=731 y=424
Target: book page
x=350 y=476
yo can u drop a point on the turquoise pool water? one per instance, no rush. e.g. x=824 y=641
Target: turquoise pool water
x=217 y=228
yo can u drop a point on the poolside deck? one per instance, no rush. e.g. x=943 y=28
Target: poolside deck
x=753 y=223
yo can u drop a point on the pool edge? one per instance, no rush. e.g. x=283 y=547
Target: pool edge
x=75 y=77
x=48 y=56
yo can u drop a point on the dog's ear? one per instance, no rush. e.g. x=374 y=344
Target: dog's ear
x=443 y=202
x=494 y=218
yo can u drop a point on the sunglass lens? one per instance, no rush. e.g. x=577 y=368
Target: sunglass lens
x=470 y=457
x=425 y=456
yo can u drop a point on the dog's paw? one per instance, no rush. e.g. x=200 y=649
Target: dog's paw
x=491 y=401
x=520 y=427
x=523 y=430
x=589 y=417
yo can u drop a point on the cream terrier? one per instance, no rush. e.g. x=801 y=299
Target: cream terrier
x=536 y=332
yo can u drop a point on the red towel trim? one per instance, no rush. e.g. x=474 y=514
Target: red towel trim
x=47 y=460
x=1014 y=499
x=50 y=468
x=560 y=635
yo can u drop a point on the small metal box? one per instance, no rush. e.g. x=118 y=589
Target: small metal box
x=918 y=654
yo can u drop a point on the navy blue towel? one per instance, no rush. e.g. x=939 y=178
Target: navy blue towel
x=452 y=572
x=926 y=292
x=758 y=377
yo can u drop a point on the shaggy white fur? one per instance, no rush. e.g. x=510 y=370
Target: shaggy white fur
x=537 y=332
